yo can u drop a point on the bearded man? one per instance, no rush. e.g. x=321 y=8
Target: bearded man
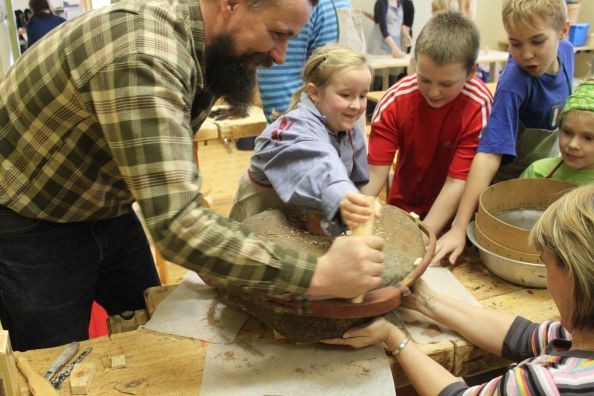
x=100 y=113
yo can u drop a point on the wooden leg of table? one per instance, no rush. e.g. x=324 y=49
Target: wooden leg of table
x=162 y=267
x=493 y=75
x=385 y=79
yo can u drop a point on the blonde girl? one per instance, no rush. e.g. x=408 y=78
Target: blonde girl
x=315 y=154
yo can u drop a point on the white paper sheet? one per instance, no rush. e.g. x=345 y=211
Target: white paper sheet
x=193 y=310
x=261 y=368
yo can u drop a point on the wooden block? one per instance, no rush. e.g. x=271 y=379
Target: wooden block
x=118 y=361
x=81 y=377
x=9 y=384
x=119 y=324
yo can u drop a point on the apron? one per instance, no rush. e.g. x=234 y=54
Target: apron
x=376 y=44
x=252 y=198
x=533 y=144
x=350 y=29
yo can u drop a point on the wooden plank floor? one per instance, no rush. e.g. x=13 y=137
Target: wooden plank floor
x=220 y=171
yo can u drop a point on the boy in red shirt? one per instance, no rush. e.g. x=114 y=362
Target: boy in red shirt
x=431 y=120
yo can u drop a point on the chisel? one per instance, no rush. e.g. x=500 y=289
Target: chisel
x=61 y=360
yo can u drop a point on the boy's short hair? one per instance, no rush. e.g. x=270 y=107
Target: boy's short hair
x=449 y=37
x=566 y=230
x=524 y=11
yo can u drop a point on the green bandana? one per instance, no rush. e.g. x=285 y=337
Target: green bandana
x=581 y=99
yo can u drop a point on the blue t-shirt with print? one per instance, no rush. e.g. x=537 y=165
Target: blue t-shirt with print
x=534 y=101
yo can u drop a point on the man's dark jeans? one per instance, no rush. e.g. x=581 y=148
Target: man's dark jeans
x=50 y=273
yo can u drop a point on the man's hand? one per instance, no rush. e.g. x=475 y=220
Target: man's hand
x=452 y=242
x=351 y=267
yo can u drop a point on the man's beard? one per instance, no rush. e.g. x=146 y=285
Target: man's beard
x=232 y=76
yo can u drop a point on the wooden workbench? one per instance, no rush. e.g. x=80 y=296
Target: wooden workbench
x=160 y=364
x=228 y=130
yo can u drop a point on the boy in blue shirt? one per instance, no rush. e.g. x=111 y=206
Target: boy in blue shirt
x=523 y=125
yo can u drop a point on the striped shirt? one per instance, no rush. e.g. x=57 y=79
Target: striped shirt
x=101 y=112
x=549 y=367
x=277 y=83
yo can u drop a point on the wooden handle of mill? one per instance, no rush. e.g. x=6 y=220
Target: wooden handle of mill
x=37 y=384
x=366 y=229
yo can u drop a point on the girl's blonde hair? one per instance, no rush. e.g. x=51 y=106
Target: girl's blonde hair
x=524 y=11
x=323 y=63
x=566 y=230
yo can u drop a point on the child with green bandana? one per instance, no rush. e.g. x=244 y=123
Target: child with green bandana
x=576 y=142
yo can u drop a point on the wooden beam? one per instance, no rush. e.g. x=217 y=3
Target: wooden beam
x=9 y=384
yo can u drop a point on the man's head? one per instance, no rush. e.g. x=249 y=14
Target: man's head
x=534 y=28
x=247 y=34
x=446 y=52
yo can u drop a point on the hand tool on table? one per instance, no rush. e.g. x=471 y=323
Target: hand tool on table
x=58 y=379
x=61 y=360
x=366 y=229
x=37 y=384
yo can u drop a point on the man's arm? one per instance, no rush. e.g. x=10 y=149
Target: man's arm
x=151 y=153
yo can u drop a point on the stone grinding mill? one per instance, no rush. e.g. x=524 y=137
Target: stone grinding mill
x=308 y=320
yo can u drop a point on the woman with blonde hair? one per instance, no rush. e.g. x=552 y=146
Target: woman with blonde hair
x=554 y=357
x=314 y=155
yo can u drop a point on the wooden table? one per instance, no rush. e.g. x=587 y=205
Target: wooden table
x=496 y=61
x=228 y=130
x=160 y=364
x=384 y=64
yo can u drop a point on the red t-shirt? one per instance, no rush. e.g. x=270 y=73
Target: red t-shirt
x=431 y=143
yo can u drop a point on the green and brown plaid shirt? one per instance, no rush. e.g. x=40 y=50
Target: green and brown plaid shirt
x=101 y=113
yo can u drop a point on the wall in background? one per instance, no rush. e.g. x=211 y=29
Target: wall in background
x=491 y=30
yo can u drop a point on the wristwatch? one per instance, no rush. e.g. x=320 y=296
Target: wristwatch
x=400 y=347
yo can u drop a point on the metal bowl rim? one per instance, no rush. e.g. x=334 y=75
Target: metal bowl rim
x=470 y=234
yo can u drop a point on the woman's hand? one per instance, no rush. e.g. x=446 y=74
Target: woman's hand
x=359 y=337
x=421 y=298
x=355 y=209
x=396 y=53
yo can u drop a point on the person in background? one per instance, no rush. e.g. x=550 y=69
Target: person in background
x=101 y=113
x=576 y=142
x=19 y=16
x=431 y=120
x=465 y=7
x=315 y=154
x=42 y=20
x=388 y=18
x=523 y=126
x=27 y=14
x=553 y=357
x=278 y=82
